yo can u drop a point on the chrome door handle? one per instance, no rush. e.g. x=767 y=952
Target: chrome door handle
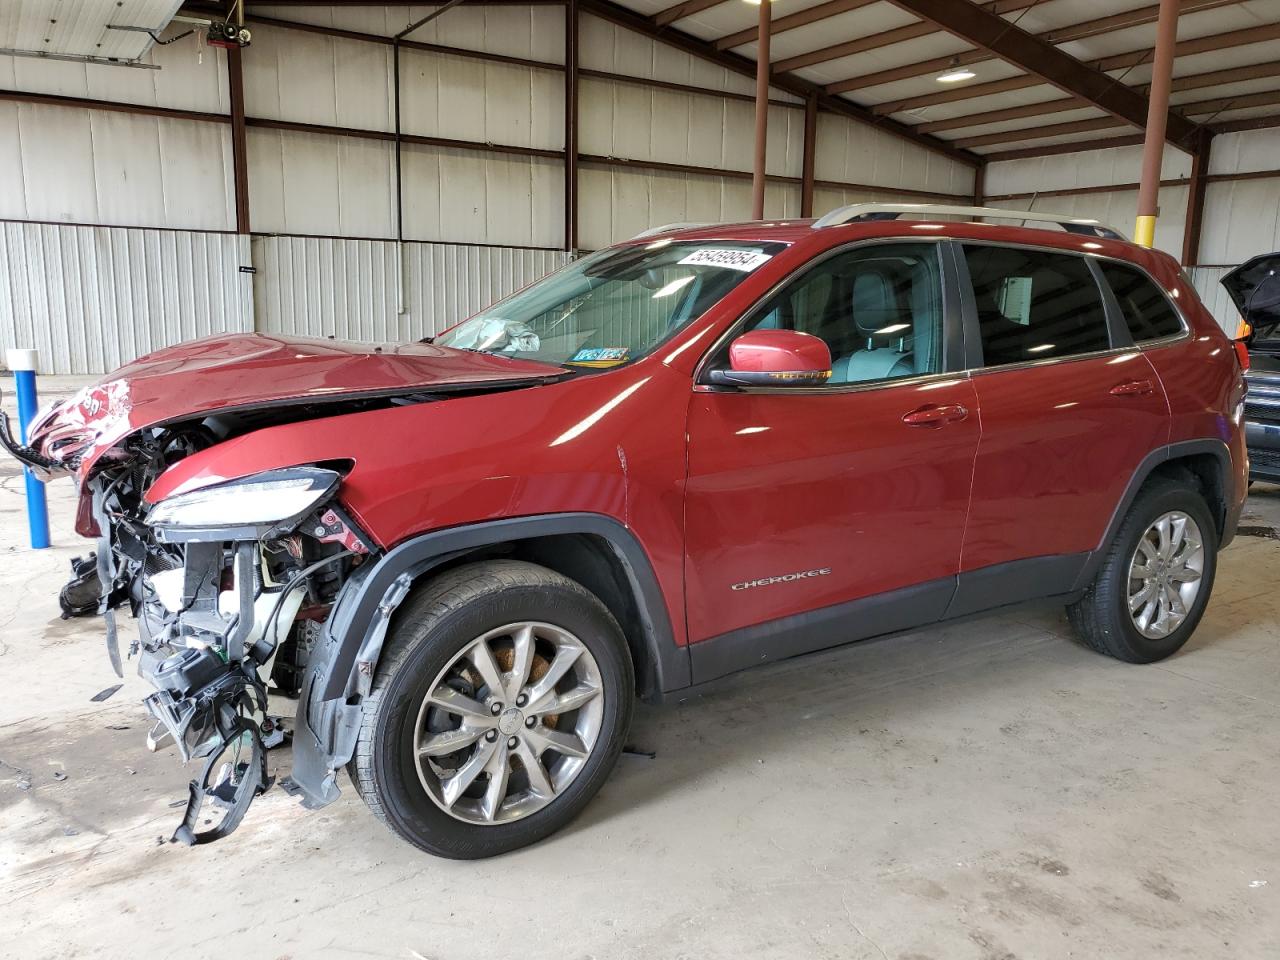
x=1132 y=388
x=935 y=415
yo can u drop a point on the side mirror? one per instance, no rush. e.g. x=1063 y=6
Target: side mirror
x=775 y=358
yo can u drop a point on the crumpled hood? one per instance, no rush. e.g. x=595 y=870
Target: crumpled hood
x=243 y=371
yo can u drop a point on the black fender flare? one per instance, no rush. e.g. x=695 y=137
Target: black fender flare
x=341 y=667
x=1172 y=451
x=384 y=586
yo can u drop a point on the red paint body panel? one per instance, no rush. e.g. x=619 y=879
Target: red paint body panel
x=780 y=484
x=1058 y=449
x=609 y=443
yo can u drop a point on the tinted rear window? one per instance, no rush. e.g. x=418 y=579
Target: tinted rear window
x=1034 y=304
x=1146 y=309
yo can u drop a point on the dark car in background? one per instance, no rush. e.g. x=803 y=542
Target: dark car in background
x=1255 y=288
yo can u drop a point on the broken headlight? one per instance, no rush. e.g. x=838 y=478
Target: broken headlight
x=263 y=499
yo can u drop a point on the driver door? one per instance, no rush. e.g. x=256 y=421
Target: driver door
x=819 y=515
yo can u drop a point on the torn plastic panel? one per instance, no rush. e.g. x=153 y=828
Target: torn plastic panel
x=216 y=605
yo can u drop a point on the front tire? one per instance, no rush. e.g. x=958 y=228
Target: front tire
x=501 y=702
x=1155 y=579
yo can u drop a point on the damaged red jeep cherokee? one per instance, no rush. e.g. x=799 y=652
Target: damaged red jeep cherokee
x=701 y=450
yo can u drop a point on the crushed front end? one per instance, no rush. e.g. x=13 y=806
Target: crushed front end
x=230 y=585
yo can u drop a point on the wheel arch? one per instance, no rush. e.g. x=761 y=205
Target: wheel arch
x=592 y=549
x=1206 y=462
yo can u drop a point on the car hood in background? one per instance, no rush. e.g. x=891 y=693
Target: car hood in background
x=248 y=371
x=1254 y=287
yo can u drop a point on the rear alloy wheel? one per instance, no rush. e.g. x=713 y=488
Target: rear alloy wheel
x=1155 y=577
x=1165 y=574
x=499 y=705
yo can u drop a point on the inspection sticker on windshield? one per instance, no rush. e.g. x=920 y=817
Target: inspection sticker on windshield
x=744 y=260
x=600 y=357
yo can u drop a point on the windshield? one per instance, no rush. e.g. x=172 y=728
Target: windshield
x=613 y=306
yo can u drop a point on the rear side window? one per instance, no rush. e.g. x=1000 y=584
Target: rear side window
x=1146 y=309
x=1034 y=304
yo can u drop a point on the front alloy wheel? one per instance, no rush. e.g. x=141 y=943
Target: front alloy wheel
x=498 y=707
x=509 y=723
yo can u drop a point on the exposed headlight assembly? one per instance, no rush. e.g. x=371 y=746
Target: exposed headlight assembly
x=274 y=499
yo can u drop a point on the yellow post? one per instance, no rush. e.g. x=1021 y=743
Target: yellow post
x=1144 y=231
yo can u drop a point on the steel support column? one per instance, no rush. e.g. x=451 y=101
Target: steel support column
x=1144 y=231
x=571 y=126
x=762 y=111
x=980 y=186
x=239 y=142
x=1195 y=201
x=809 y=157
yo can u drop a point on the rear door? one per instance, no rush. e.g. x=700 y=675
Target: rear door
x=1070 y=408
x=800 y=500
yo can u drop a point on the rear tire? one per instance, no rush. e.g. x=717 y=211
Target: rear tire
x=1104 y=618
x=460 y=655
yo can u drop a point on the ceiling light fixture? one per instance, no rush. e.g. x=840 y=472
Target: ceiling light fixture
x=955 y=73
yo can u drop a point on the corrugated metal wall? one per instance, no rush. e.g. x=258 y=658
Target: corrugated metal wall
x=92 y=298
x=348 y=288
x=1092 y=168
x=1207 y=283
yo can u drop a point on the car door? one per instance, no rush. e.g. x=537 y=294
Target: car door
x=816 y=515
x=1070 y=408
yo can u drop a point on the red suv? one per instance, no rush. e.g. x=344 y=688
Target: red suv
x=707 y=448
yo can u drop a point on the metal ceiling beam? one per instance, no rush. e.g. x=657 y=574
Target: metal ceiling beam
x=1242 y=101
x=1199 y=108
x=797 y=86
x=1041 y=58
x=1079 y=31
x=1195 y=81
x=1003 y=114
x=1248 y=123
x=954 y=94
x=1041 y=132
x=887 y=38
x=687 y=8
x=1061 y=35
x=799 y=19
x=1054 y=149
x=1119 y=61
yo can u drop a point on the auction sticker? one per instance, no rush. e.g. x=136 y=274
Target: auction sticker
x=744 y=260
x=600 y=357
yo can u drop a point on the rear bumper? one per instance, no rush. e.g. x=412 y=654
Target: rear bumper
x=1263 y=441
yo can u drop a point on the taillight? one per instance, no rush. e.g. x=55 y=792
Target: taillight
x=1242 y=354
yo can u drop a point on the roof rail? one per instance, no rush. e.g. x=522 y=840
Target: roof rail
x=668 y=228
x=891 y=211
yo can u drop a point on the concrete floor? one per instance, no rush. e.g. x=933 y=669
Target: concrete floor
x=987 y=790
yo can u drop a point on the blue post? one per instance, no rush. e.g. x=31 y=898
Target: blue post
x=23 y=365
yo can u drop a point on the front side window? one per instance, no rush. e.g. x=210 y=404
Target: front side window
x=614 y=306
x=1035 y=304
x=878 y=307
x=1146 y=309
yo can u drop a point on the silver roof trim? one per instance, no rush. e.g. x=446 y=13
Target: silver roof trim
x=669 y=228
x=891 y=211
